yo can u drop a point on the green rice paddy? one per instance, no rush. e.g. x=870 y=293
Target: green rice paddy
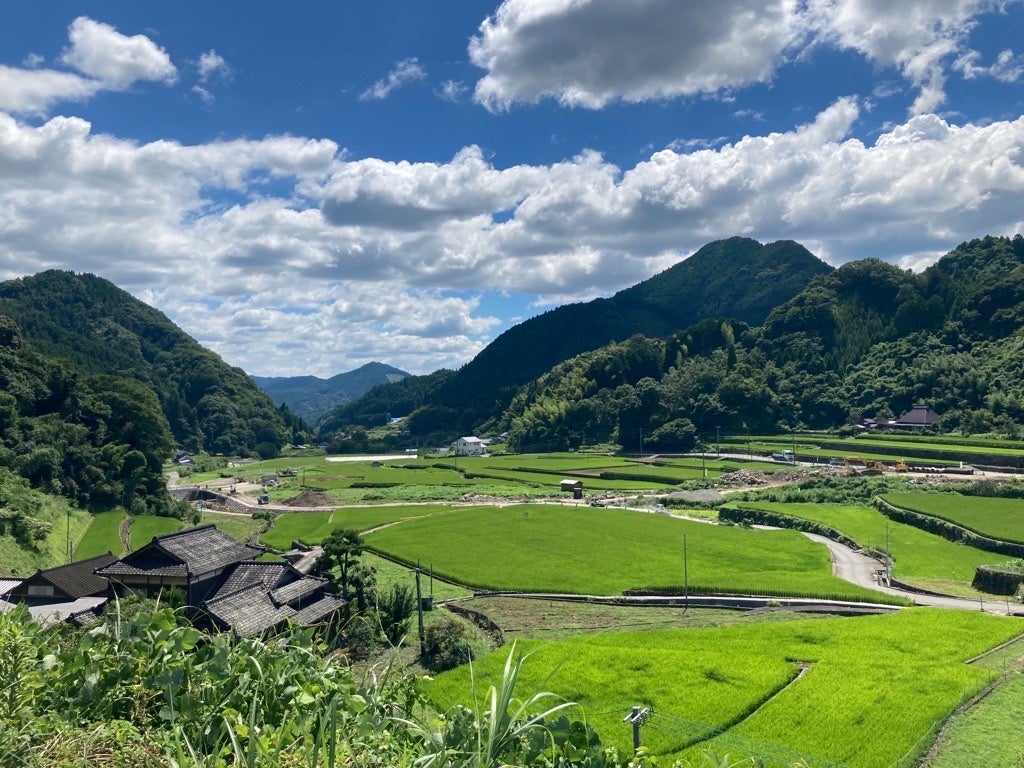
x=583 y=550
x=871 y=690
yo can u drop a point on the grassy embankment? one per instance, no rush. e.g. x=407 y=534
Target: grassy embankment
x=873 y=690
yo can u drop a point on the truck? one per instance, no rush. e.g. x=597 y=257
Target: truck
x=786 y=456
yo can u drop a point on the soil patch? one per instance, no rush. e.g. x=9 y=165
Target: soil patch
x=311 y=499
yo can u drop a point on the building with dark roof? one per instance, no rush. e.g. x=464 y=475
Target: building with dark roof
x=65 y=582
x=919 y=417
x=223 y=582
x=194 y=560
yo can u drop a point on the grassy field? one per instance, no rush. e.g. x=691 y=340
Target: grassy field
x=919 y=558
x=989 y=734
x=450 y=478
x=102 y=536
x=313 y=527
x=582 y=550
x=145 y=528
x=871 y=690
x=18 y=561
x=243 y=528
x=993 y=517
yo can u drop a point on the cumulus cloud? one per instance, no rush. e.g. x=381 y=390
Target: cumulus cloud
x=211 y=67
x=354 y=260
x=405 y=72
x=586 y=53
x=117 y=61
x=104 y=60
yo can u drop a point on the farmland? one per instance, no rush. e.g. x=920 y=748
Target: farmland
x=996 y=518
x=548 y=548
x=871 y=692
x=919 y=558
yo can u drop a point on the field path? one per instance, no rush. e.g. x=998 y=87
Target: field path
x=852 y=566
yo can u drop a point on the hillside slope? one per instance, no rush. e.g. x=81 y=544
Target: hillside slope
x=737 y=278
x=97 y=328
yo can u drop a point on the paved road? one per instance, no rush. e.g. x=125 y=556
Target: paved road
x=850 y=565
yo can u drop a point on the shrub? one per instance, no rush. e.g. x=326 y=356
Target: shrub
x=446 y=644
x=395 y=609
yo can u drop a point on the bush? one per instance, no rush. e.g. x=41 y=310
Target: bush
x=395 y=609
x=446 y=644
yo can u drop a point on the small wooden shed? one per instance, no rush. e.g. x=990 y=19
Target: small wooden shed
x=575 y=487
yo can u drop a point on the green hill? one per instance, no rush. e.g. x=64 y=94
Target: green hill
x=98 y=329
x=867 y=339
x=309 y=397
x=736 y=278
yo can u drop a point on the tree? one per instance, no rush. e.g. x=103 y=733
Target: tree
x=341 y=549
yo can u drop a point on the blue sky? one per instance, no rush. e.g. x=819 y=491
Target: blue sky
x=307 y=188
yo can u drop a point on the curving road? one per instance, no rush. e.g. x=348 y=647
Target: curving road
x=852 y=566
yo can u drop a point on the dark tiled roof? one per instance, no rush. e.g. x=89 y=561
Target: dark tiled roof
x=267 y=575
x=919 y=415
x=73 y=580
x=298 y=589
x=318 y=611
x=248 y=611
x=191 y=552
x=205 y=549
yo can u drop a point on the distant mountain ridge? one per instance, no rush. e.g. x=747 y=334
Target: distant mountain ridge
x=737 y=278
x=311 y=396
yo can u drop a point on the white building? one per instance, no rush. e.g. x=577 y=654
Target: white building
x=469 y=446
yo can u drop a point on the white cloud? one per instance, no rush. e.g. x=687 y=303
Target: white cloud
x=213 y=66
x=1008 y=66
x=452 y=90
x=117 y=61
x=405 y=72
x=586 y=53
x=106 y=59
x=369 y=259
x=34 y=91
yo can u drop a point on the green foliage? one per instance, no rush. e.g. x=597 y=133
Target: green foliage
x=446 y=644
x=395 y=607
x=100 y=330
x=341 y=550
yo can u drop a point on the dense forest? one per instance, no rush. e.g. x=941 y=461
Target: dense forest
x=95 y=329
x=867 y=339
x=96 y=439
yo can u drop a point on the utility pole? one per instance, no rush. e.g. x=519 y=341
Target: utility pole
x=419 y=610
x=637 y=716
x=686 y=579
x=718 y=442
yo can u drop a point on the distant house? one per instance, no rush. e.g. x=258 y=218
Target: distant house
x=920 y=417
x=183 y=458
x=65 y=582
x=223 y=582
x=469 y=446
x=71 y=592
x=575 y=487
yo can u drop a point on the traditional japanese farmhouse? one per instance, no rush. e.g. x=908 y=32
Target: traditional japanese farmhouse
x=222 y=581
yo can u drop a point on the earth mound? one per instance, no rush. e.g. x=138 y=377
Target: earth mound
x=311 y=499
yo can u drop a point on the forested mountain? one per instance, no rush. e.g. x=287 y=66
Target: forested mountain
x=99 y=330
x=96 y=439
x=310 y=396
x=865 y=339
x=737 y=278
